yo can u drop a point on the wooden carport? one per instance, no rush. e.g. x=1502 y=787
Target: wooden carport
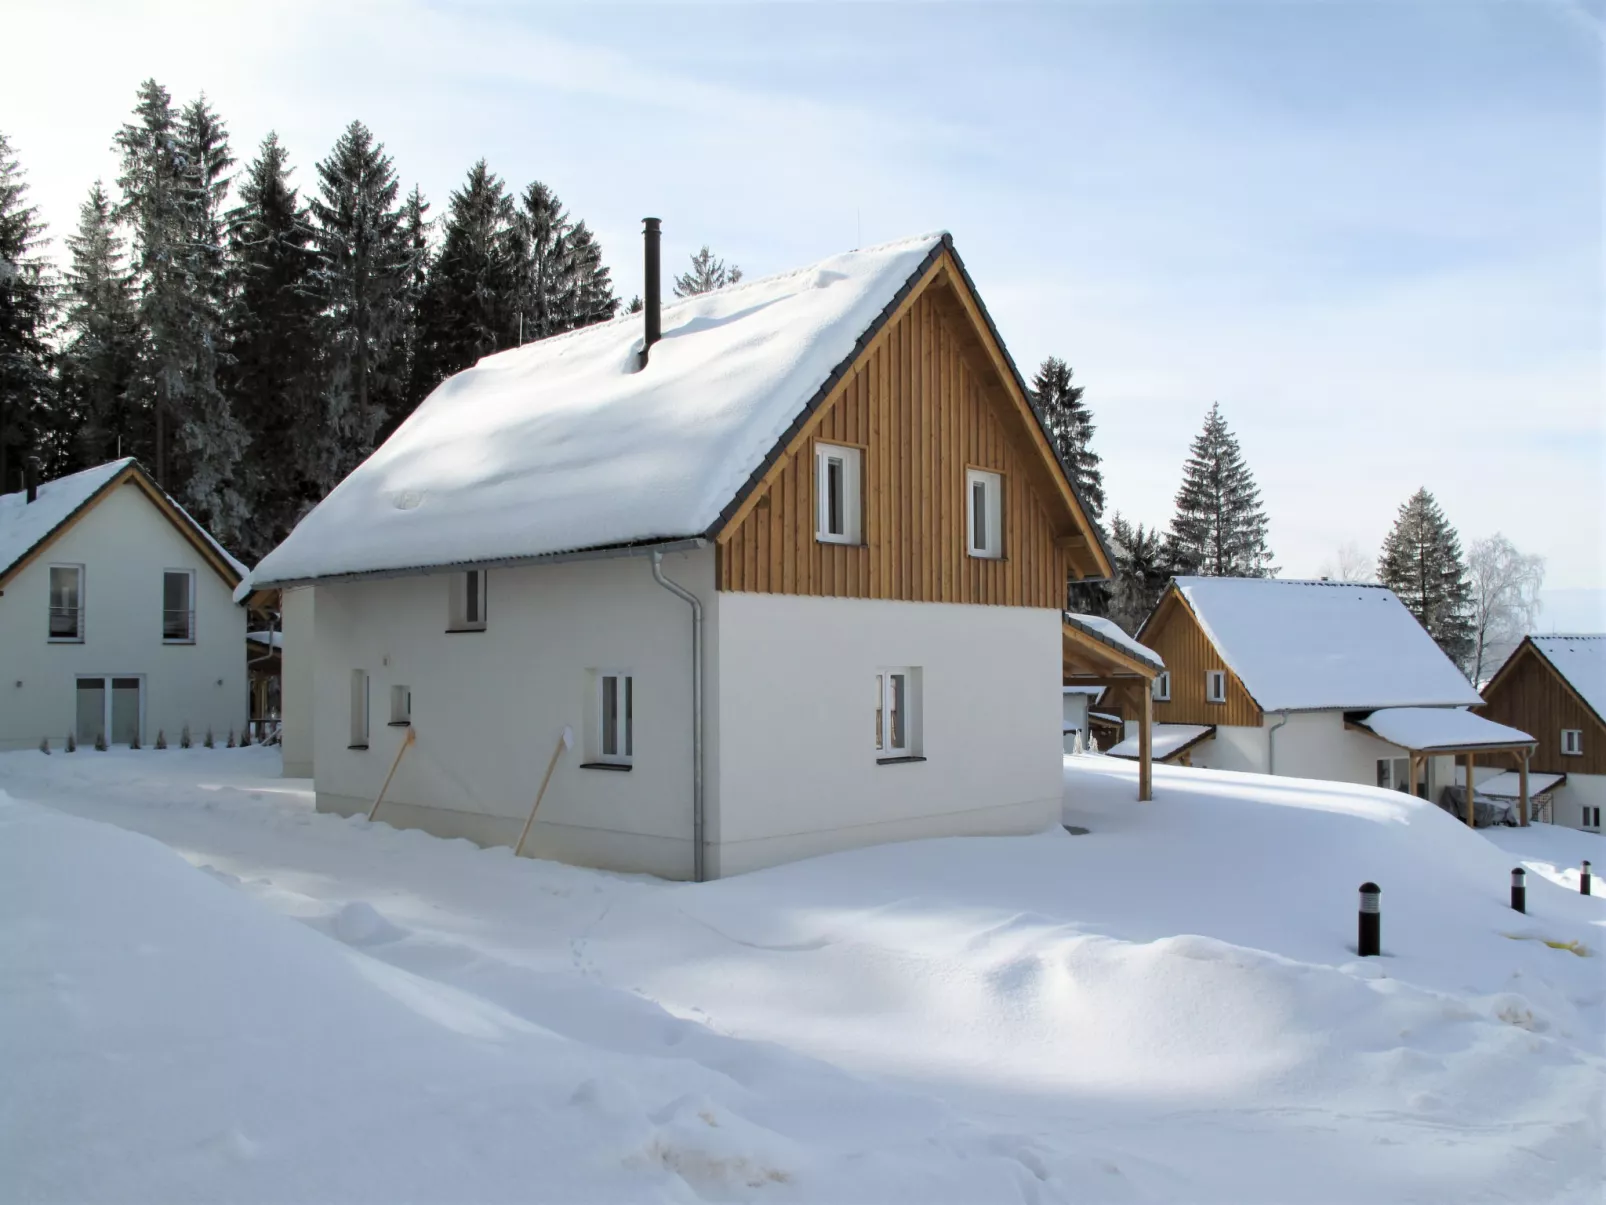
x=1425 y=732
x=1097 y=653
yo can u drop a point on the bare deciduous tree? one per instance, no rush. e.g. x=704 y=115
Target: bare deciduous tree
x=1505 y=600
x=1349 y=564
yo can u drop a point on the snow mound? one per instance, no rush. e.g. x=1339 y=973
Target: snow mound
x=360 y=924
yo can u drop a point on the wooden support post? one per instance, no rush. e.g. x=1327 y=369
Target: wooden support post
x=379 y=798
x=1471 y=818
x=565 y=741
x=1522 y=775
x=1146 y=746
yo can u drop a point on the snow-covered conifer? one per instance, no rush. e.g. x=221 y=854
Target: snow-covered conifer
x=1421 y=563
x=1219 y=529
x=102 y=337
x=26 y=316
x=708 y=272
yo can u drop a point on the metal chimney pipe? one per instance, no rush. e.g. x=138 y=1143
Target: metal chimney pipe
x=650 y=286
x=30 y=477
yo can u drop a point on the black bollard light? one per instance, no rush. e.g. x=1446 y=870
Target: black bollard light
x=1370 y=936
x=1583 y=879
x=1519 y=889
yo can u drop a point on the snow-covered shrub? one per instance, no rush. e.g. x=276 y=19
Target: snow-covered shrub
x=208 y=742
x=184 y=741
x=134 y=743
x=44 y=744
x=161 y=738
x=245 y=736
x=72 y=744
x=231 y=738
x=100 y=742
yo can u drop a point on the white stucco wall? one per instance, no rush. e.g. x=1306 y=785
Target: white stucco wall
x=488 y=707
x=297 y=617
x=124 y=544
x=797 y=768
x=1578 y=792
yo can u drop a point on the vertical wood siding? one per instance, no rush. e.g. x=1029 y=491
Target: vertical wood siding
x=1187 y=652
x=922 y=417
x=1532 y=697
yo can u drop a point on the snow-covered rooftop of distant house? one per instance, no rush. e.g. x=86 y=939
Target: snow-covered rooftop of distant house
x=563 y=445
x=1581 y=659
x=1306 y=646
x=1167 y=739
x=1102 y=629
x=1441 y=728
x=1508 y=785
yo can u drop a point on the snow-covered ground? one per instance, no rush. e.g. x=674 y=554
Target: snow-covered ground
x=1168 y=1008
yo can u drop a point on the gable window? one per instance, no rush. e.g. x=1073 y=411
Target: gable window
x=1162 y=687
x=986 y=512
x=468 y=601
x=897 y=714
x=616 y=717
x=837 y=490
x=1215 y=686
x=67 y=603
x=359 y=709
x=1572 y=742
x=178 y=606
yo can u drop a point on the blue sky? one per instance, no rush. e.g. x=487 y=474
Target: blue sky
x=1372 y=231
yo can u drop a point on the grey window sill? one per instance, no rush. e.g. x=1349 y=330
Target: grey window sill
x=605 y=765
x=66 y=640
x=362 y=747
x=399 y=724
x=897 y=761
x=460 y=631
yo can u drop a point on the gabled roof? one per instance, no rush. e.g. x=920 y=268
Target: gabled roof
x=1442 y=730
x=27 y=529
x=567 y=446
x=1312 y=646
x=1580 y=661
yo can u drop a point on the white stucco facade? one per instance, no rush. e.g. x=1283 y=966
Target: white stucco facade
x=124 y=544
x=296 y=618
x=1577 y=793
x=790 y=764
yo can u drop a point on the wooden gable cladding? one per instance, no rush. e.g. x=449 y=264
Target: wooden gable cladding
x=1529 y=695
x=1174 y=632
x=921 y=407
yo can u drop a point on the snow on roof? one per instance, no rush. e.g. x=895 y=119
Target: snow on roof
x=1167 y=739
x=23 y=524
x=1306 y=646
x=1581 y=660
x=1108 y=633
x=563 y=445
x=1441 y=728
x=1508 y=785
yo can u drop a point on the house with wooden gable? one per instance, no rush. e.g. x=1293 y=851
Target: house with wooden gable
x=1555 y=688
x=784 y=561
x=1329 y=680
x=116 y=615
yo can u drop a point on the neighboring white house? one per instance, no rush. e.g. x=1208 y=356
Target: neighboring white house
x=792 y=575
x=1331 y=680
x=116 y=616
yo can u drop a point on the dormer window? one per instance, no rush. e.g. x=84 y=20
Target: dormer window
x=985 y=492
x=837 y=493
x=467 y=611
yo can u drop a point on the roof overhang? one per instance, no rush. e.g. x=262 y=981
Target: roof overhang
x=1443 y=730
x=1090 y=658
x=1169 y=741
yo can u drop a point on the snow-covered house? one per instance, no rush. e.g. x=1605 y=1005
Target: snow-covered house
x=791 y=573
x=116 y=615
x=1331 y=680
x=1555 y=688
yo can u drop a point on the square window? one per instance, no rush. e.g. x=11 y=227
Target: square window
x=616 y=717
x=178 y=606
x=985 y=511
x=1162 y=687
x=359 y=709
x=467 y=613
x=67 y=602
x=1572 y=742
x=897 y=713
x=837 y=491
x=401 y=705
x=1215 y=686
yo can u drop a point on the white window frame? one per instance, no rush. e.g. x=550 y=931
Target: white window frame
x=621 y=733
x=987 y=542
x=189 y=610
x=401 y=706
x=106 y=681
x=359 y=709
x=78 y=607
x=849 y=462
x=1395 y=771
x=894 y=742
x=1215 y=678
x=1572 y=742
x=458 y=614
x=1162 y=687
x=1590 y=821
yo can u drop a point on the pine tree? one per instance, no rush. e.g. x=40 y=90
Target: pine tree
x=1421 y=563
x=26 y=314
x=102 y=342
x=1142 y=570
x=708 y=272
x=272 y=377
x=416 y=228
x=365 y=268
x=1069 y=426
x=591 y=296
x=1220 y=527
x=562 y=283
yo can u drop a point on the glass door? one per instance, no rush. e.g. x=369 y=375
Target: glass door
x=125 y=710
x=91 y=710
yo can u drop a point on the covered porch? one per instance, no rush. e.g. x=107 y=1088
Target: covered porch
x=1097 y=653
x=1425 y=732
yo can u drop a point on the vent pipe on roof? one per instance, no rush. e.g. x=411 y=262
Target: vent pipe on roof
x=649 y=288
x=30 y=477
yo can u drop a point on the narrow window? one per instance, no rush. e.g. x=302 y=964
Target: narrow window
x=359 y=709
x=986 y=513
x=1162 y=687
x=1385 y=773
x=1591 y=817
x=616 y=717
x=401 y=706
x=838 y=510
x=896 y=713
x=468 y=609
x=66 y=602
x=178 y=606
x=1215 y=686
x=1572 y=742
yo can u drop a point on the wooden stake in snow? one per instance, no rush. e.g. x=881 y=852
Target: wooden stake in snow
x=379 y=798
x=565 y=741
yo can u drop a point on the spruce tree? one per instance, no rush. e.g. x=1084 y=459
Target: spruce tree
x=541 y=230
x=1220 y=527
x=416 y=228
x=27 y=426
x=708 y=272
x=591 y=293
x=1421 y=563
x=101 y=351
x=1069 y=426
x=272 y=377
x=1142 y=570
x=364 y=272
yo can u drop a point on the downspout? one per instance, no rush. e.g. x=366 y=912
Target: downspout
x=1271 y=742
x=696 y=605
